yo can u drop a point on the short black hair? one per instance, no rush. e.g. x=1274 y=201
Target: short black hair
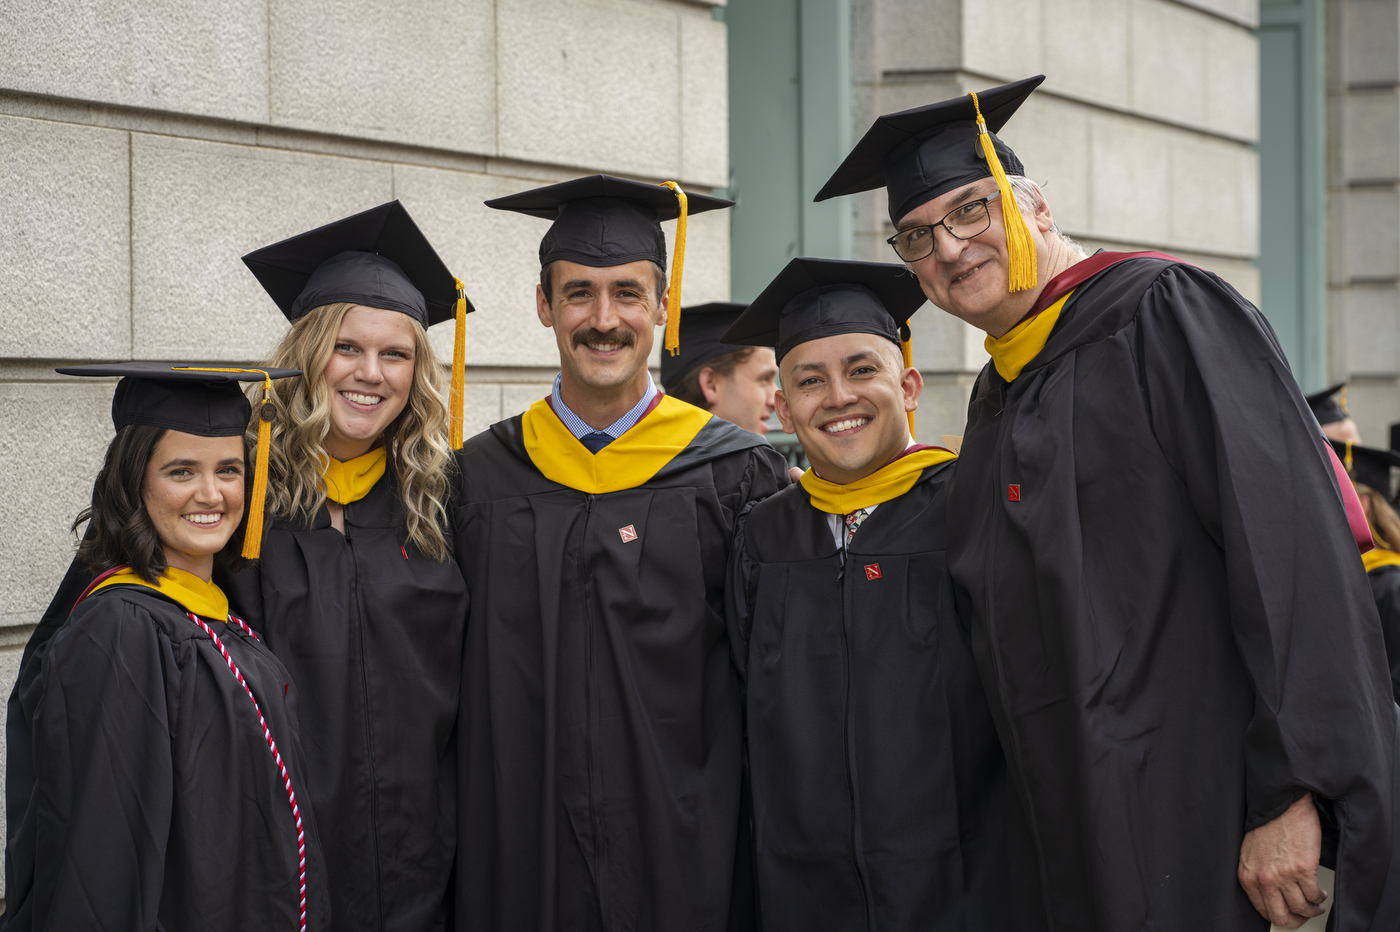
x=547 y=282
x=119 y=529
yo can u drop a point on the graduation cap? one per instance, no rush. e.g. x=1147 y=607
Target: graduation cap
x=702 y=329
x=206 y=401
x=815 y=298
x=376 y=258
x=1367 y=465
x=919 y=154
x=1329 y=405
x=603 y=220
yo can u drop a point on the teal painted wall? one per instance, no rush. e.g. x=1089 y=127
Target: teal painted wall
x=790 y=116
x=1293 y=183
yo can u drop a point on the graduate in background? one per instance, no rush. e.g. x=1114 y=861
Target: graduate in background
x=1369 y=469
x=736 y=383
x=1150 y=540
x=600 y=732
x=1329 y=406
x=155 y=775
x=879 y=787
x=356 y=591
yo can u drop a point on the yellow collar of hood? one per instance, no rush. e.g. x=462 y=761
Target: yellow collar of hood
x=196 y=595
x=627 y=462
x=1379 y=556
x=888 y=482
x=1023 y=342
x=351 y=480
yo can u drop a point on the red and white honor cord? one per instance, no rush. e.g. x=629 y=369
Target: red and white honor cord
x=272 y=745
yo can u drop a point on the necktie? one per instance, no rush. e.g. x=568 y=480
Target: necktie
x=595 y=441
x=853 y=522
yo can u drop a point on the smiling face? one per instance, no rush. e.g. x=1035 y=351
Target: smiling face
x=968 y=278
x=193 y=493
x=847 y=397
x=746 y=394
x=369 y=375
x=604 y=322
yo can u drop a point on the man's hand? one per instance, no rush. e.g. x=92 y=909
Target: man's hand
x=794 y=473
x=1278 y=866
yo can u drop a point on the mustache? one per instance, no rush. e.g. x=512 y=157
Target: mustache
x=621 y=337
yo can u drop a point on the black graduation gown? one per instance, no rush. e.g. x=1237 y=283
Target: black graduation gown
x=372 y=634
x=879 y=786
x=1385 y=589
x=600 y=732
x=1171 y=622
x=152 y=797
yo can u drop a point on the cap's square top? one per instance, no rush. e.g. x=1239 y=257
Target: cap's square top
x=920 y=153
x=376 y=258
x=602 y=220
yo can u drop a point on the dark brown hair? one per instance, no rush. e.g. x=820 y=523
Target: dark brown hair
x=119 y=530
x=688 y=388
x=547 y=282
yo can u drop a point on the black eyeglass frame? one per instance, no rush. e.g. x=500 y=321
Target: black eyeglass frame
x=931 y=227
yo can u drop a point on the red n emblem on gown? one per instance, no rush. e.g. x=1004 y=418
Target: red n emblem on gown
x=1013 y=493
x=872 y=571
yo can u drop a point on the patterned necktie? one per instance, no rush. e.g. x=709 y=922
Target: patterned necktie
x=595 y=441
x=853 y=522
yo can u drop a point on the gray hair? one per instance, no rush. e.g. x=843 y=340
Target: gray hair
x=1028 y=198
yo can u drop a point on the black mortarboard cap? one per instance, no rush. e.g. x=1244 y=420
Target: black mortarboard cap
x=201 y=400
x=1329 y=405
x=923 y=152
x=1367 y=465
x=702 y=329
x=377 y=258
x=193 y=401
x=815 y=298
x=603 y=220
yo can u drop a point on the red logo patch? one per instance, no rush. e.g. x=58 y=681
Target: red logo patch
x=872 y=571
x=628 y=533
x=1013 y=493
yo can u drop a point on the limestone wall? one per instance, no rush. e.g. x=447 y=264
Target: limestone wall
x=146 y=144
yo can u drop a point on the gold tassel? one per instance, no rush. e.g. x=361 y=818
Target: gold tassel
x=459 y=370
x=252 y=538
x=1346 y=461
x=1342 y=401
x=673 y=308
x=907 y=345
x=1020 y=248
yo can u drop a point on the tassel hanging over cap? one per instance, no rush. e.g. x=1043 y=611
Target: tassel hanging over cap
x=1020 y=248
x=457 y=402
x=257 y=505
x=673 y=307
x=906 y=345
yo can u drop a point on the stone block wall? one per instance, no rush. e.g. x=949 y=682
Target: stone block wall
x=1363 y=200
x=1141 y=135
x=146 y=144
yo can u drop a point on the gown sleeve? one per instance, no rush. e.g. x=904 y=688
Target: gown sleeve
x=1385 y=588
x=103 y=771
x=1232 y=422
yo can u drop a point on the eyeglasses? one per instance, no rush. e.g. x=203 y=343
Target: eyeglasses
x=964 y=221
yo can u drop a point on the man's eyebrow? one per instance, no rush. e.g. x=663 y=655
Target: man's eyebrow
x=578 y=283
x=632 y=283
x=969 y=195
x=858 y=357
x=809 y=367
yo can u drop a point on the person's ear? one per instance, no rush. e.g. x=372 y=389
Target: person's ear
x=1044 y=219
x=709 y=385
x=911 y=386
x=542 y=308
x=780 y=407
x=661 y=309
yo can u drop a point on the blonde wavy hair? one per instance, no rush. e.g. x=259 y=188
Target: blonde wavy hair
x=416 y=443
